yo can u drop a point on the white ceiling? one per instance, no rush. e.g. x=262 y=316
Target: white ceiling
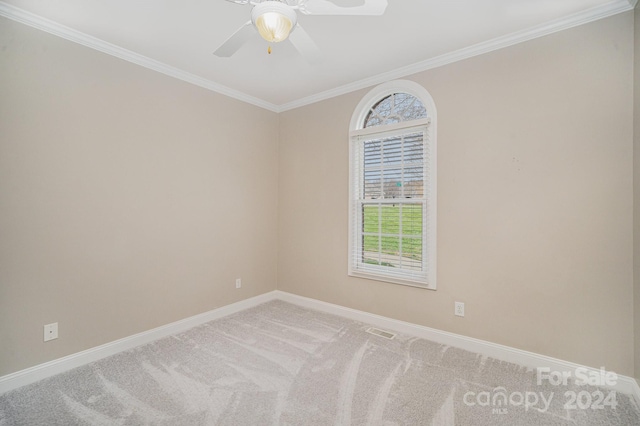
x=177 y=37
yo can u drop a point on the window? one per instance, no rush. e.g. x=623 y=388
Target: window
x=392 y=176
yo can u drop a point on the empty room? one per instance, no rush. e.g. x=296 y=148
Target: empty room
x=319 y=212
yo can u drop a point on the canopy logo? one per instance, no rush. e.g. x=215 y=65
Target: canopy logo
x=499 y=400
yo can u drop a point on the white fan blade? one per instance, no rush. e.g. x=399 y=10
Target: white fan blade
x=236 y=41
x=347 y=7
x=305 y=45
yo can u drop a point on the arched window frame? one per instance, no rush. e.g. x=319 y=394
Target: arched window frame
x=357 y=268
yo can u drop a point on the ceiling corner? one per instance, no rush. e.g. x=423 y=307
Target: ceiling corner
x=35 y=21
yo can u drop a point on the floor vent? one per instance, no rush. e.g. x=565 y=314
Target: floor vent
x=381 y=333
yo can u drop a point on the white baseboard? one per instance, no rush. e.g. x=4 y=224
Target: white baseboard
x=624 y=384
x=60 y=365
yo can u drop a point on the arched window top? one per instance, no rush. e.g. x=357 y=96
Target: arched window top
x=392 y=103
x=395 y=108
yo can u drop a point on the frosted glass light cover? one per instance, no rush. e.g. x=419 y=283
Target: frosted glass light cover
x=274 y=20
x=273 y=26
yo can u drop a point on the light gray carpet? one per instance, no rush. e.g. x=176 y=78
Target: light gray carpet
x=282 y=364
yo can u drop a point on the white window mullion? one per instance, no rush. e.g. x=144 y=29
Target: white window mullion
x=401 y=205
x=379 y=234
x=425 y=245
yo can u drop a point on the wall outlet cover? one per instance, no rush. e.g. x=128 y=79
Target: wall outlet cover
x=50 y=331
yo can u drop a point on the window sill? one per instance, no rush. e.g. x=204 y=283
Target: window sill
x=392 y=280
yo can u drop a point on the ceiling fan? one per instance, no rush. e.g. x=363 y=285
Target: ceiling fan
x=277 y=20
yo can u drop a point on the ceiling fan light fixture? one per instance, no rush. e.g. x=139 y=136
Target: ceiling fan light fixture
x=274 y=20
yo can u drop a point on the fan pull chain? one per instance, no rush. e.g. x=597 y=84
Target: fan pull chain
x=269 y=50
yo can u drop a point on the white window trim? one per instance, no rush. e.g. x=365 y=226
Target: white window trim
x=356 y=129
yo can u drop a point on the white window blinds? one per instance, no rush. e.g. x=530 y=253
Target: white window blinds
x=390 y=204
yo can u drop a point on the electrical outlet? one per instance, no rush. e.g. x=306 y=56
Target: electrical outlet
x=238 y=283
x=459 y=309
x=50 y=331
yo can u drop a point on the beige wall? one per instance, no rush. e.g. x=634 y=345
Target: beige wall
x=128 y=199
x=535 y=199
x=636 y=190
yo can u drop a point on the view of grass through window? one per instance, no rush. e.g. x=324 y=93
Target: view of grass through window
x=392 y=234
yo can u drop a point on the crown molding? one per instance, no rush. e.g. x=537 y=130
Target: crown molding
x=590 y=15
x=51 y=27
